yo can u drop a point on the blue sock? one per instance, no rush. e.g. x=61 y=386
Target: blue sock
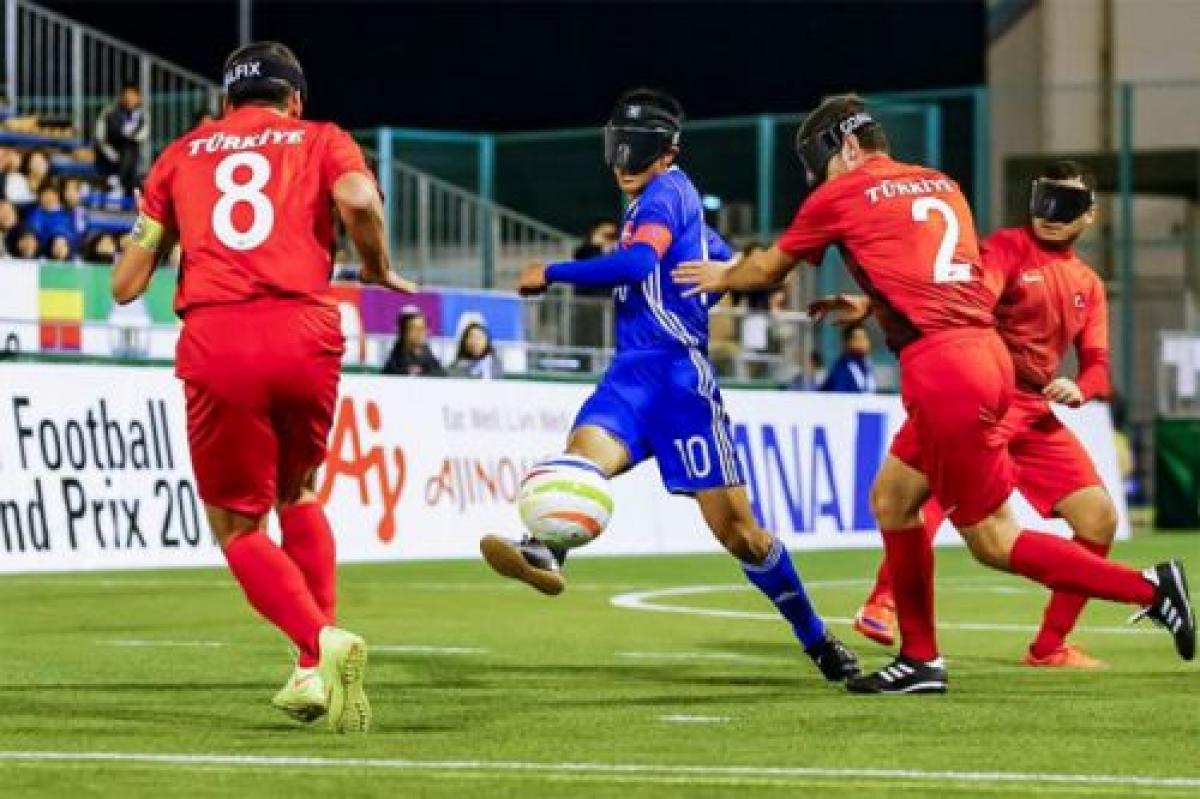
x=777 y=578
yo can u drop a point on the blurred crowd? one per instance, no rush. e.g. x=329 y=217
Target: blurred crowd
x=411 y=355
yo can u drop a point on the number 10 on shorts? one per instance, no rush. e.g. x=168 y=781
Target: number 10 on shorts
x=694 y=454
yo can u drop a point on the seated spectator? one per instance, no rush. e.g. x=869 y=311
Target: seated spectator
x=10 y=221
x=852 y=372
x=59 y=248
x=27 y=245
x=48 y=218
x=476 y=356
x=72 y=200
x=411 y=354
x=120 y=130
x=100 y=248
x=14 y=186
x=36 y=169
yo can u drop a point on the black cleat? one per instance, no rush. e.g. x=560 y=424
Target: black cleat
x=901 y=676
x=835 y=660
x=527 y=560
x=1172 y=607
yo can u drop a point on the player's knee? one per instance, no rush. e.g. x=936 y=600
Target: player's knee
x=1098 y=523
x=891 y=509
x=745 y=540
x=989 y=545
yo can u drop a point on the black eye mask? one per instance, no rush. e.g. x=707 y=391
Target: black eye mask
x=815 y=151
x=1054 y=202
x=637 y=134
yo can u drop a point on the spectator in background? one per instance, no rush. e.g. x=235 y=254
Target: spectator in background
x=120 y=130
x=601 y=239
x=27 y=245
x=36 y=169
x=14 y=187
x=48 y=218
x=476 y=356
x=10 y=221
x=59 y=248
x=72 y=200
x=812 y=375
x=411 y=354
x=100 y=249
x=852 y=372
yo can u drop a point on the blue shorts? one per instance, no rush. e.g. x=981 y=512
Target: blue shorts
x=665 y=404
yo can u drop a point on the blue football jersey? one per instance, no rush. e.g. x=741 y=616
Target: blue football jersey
x=654 y=314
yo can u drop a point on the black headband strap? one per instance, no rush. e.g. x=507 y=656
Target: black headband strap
x=248 y=73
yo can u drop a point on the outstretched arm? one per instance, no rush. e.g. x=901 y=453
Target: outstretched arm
x=759 y=270
x=620 y=268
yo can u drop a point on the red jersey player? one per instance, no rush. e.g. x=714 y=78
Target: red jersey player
x=251 y=200
x=1051 y=301
x=907 y=236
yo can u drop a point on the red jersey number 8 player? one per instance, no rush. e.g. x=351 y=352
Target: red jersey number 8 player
x=251 y=200
x=908 y=238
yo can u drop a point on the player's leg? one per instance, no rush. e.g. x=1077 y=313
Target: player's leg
x=768 y=566
x=1057 y=477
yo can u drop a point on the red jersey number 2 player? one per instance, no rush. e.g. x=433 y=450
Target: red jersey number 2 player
x=251 y=200
x=1051 y=301
x=908 y=238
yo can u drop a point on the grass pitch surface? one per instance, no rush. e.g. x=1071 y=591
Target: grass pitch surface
x=157 y=683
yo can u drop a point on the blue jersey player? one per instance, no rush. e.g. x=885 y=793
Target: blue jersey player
x=659 y=398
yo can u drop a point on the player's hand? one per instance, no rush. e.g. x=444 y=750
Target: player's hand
x=1063 y=391
x=533 y=279
x=401 y=285
x=847 y=309
x=701 y=276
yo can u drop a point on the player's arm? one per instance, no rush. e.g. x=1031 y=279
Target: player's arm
x=1092 y=346
x=361 y=210
x=150 y=240
x=628 y=265
x=842 y=309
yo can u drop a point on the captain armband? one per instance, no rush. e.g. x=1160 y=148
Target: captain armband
x=147 y=233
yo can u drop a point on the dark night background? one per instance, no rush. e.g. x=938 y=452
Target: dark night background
x=508 y=66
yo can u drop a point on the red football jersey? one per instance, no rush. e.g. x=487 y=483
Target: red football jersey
x=1051 y=300
x=251 y=198
x=908 y=238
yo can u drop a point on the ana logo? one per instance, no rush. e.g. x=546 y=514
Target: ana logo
x=347 y=458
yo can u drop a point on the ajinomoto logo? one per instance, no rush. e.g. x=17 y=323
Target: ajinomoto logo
x=347 y=459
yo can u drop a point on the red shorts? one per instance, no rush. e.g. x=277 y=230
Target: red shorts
x=956 y=387
x=261 y=380
x=1051 y=463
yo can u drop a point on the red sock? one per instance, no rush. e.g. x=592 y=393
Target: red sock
x=308 y=541
x=1063 y=610
x=1060 y=565
x=276 y=589
x=910 y=561
x=932 y=517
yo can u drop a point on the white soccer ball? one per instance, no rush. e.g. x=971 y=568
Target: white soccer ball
x=565 y=501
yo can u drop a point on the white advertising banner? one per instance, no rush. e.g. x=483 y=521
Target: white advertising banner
x=94 y=472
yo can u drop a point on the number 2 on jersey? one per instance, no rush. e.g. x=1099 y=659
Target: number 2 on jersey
x=945 y=270
x=249 y=192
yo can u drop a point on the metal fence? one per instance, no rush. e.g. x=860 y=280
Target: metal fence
x=58 y=68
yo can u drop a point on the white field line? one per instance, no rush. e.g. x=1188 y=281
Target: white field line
x=400 y=648
x=679 y=718
x=696 y=774
x=15 y=582
x=649 y=601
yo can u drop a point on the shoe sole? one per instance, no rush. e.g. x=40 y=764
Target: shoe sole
x=349 y=708
x=506 y=559
x=302 y=714
x=919 y=688
x=868 y=632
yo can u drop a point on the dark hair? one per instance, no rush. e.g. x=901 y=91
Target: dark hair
x=655 y=98
x=263 y=92
x=849 y=330
x=462 y=354
x=407 y=315
x=29 y=157
x=1067 y=169
x=836 y=107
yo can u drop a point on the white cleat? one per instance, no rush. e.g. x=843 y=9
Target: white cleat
x=343 y=669
x=303 y=697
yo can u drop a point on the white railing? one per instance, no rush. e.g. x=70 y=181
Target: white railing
x=57 y=67
x=452 y=237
